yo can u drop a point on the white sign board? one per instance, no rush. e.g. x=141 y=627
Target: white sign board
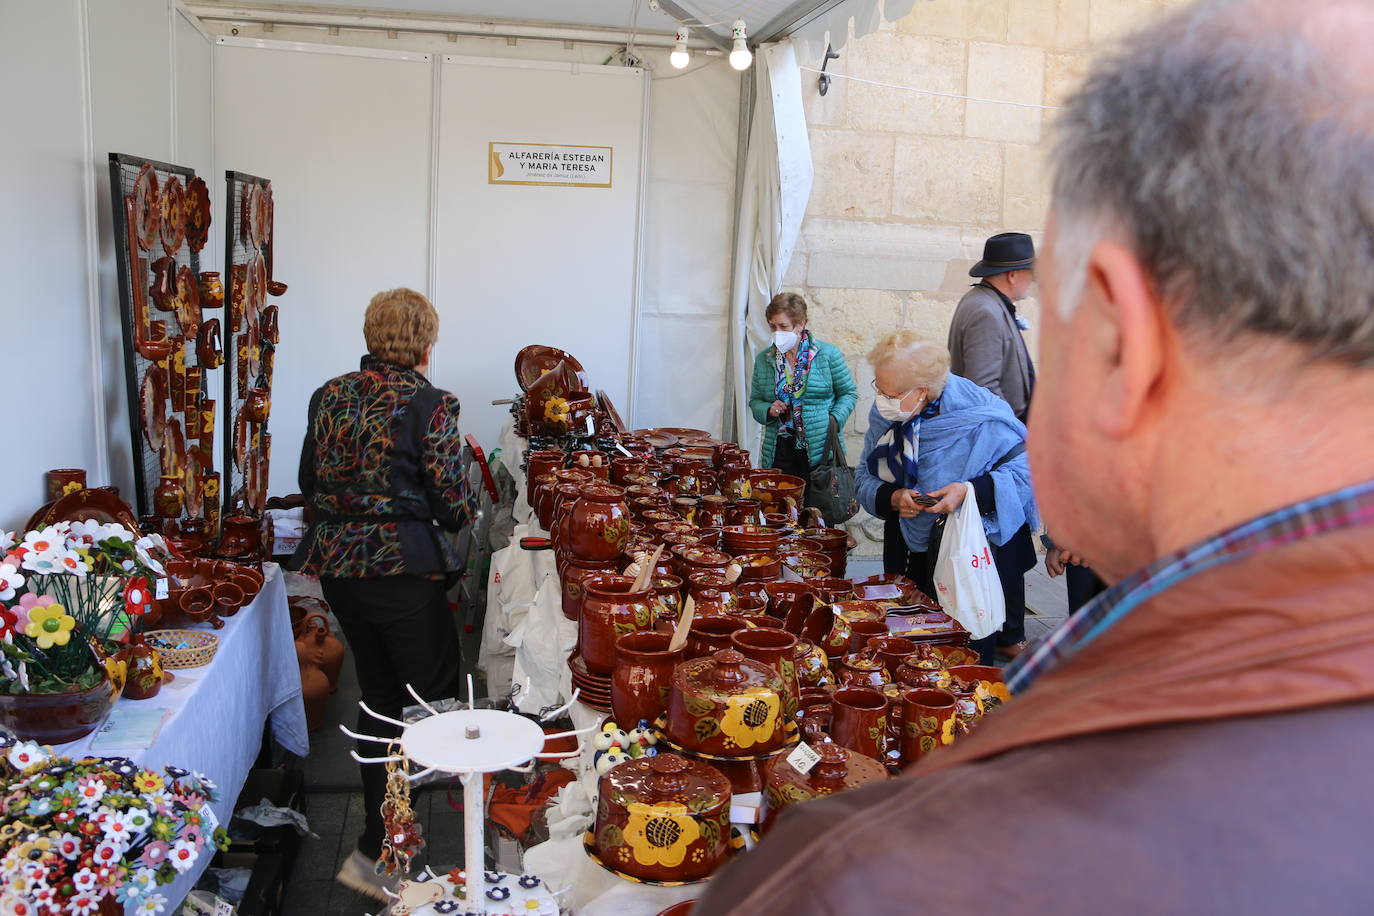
x=549 y=164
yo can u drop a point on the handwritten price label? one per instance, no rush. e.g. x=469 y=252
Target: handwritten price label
x=803 y=758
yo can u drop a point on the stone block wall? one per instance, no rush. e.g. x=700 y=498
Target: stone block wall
x=908 y=185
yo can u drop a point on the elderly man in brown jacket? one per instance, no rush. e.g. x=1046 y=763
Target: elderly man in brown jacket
x=1201 y=738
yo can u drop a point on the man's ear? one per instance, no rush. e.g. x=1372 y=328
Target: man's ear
x=1127 y=334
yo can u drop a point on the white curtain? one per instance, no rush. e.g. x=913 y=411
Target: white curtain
x=775 y=189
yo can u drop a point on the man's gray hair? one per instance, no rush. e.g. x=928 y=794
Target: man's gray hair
x=1232 y=147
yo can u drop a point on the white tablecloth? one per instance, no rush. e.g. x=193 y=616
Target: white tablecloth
x=216 y=712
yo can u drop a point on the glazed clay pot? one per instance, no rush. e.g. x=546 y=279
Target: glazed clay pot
x=863 y=670
x=893 y=650
x=323 y=647
x=837 y=770
x=663 y=818
x=813 y=666
x=598 y=525
x=858 y=720
x=610 y=609
x=56 y=718
x=861 y=631
x=242 y=536
x=574 y=574
x=693 y=558
x=799 y=611
x=828 y=630
x=542 y=501
x=61 y=481
x=832 y=589
x=726 y=705
x=643 y=676
x=834 y=543
x=539 y=463
x=169 y=497
x=750 y=606
x=709 y=635
x=775 y=648
x=143 y=665
x=928 y=723
x=983 y=682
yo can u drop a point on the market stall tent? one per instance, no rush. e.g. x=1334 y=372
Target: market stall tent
x=164 y=79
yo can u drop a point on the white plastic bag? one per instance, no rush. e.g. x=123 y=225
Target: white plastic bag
x=965 y=574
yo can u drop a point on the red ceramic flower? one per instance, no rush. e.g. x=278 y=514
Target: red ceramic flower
x=137 y=598
x=8 y=621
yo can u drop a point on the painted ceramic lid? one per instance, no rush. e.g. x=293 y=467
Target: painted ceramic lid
x=838 y=769
x=666 y=778
x=603 y=493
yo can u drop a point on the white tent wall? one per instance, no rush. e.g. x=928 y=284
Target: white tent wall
x=86 y=78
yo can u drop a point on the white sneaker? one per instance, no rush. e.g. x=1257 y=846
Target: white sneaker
x=359 y=873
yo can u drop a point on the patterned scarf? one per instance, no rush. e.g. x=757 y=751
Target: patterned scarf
x=789 y=392
x=894 y=456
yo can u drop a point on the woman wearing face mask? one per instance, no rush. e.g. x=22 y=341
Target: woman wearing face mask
x=799 y=384
x=932 y=436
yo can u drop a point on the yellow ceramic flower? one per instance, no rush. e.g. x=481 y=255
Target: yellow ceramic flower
x=659 y=834
x=71 y=487
x=991 y=694
x=118 y=670
x=750 y=717
x=556 y=410
x=49 y=626
x=947 y=731
x=148 y=781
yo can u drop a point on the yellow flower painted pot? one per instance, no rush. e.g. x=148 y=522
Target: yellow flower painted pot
x=663 y=818
x=727 y=705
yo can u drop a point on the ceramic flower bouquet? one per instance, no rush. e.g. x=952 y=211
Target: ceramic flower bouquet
x=61 y=590
x=98 y=834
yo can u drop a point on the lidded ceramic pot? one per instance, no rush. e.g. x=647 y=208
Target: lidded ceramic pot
x=663 y=818
x=727 y=705
x=598 y=524
x=838 y=769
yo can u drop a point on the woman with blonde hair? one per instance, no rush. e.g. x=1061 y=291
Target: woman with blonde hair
x=382 y=474
x=931 y=437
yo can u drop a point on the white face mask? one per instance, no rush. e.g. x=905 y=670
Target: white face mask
x=890 y=409
x=785 y=340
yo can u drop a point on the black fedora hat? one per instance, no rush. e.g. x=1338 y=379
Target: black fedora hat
x=1004 y=252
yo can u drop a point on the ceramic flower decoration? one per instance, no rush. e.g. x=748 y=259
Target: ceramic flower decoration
x=751 y=717
x=659 y=834
x=50 y=626
x=10 y=580
x=137 y=598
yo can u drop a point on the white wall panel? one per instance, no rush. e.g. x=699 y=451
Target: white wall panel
x=44 y=302
x=519 y=265
x=346 y=142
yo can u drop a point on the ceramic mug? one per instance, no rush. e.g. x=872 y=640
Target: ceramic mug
x=861 y=631
x=928 y=723
x=859 y=720
x=211 y=290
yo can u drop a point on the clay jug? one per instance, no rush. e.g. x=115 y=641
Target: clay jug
x=315 y=693
x=168 y=497
x=321 y=647
x=144 y=670
x=598 y=525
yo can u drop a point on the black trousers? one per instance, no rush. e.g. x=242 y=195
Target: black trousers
x=1083 y=586
x=400 y=631
x=1013 y=559
x=791 y=459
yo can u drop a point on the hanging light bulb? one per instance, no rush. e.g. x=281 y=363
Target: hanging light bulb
x=680 y=58
x=740 y=57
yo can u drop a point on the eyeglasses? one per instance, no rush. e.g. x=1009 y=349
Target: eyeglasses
x=873 y=383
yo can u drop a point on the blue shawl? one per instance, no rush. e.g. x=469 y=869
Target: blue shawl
x=973 y=432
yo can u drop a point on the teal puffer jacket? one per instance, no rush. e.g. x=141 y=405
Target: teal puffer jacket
x=829 y=391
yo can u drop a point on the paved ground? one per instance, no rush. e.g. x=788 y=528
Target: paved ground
x=335 y=799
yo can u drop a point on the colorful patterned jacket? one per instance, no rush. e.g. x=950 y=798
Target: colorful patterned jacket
x=382 y=472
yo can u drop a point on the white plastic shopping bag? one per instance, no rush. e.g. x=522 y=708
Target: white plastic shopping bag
x=965 y=574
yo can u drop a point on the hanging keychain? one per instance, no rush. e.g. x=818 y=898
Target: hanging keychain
x=402 y=839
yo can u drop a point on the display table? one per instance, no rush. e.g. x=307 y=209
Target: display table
x=216 y=712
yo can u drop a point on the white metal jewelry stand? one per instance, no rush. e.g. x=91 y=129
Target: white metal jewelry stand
x=470 y=743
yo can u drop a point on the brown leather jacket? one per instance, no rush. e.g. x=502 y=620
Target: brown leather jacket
x=1209 y=754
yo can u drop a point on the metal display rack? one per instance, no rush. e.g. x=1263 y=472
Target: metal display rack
x=148 y=464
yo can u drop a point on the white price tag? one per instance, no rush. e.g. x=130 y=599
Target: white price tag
x=591 y=425
x=803 y=758
x=160 y=590
x=624 y=451
x=224 y=908
x=207 y=814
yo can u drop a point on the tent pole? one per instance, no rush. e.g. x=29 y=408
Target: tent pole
x=734 y=341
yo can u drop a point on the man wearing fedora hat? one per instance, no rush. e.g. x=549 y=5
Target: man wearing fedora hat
x=985 y=343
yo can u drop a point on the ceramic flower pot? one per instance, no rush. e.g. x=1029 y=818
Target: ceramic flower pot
x=776 y=648
x=598 y=524
x=56 y=718
x=610 y=609
x=663 y=818
x=858 y=720
x=643 y=676
x=837 y=770
x=61 y=481
x=928 y=723
x=726 y=705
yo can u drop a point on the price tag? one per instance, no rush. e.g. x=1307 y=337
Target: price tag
x=160 y=590
x=224 y=908
x=624 y=451
x=207 y=814
x=591 y=425
x=803 y=758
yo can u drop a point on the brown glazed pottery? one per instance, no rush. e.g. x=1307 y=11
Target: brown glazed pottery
x=690 y=558
x=56 y=718
x=727 y=705
x=863 y=670
x=750 y=606
x=759 y=567
x=983 y=682
x=242 y=536
x=663 y=818
x=775 y=648
x=315 y=643
x=837 y=770
x=143 y=664
x=610 y=609
x=710 y=634
x=861 y=631
x=832 y=589
x=598 y=525
x=828 y=630
x=858 y=720
x=928 y=721
x=643 y=676
x=61 y=481
x=834 y=543
x=893 y=650
x=169 y=498
x=813 y=665
x=211 y=290
x=678 y=909
x=804 y=564
x=574 y=574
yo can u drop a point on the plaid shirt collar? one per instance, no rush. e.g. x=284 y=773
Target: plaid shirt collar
x=1347 y=508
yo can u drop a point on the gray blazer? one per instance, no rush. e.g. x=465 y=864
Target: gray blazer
x=986 y=347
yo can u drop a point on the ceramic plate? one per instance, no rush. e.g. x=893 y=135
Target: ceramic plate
x=146 y=207
x=536 y=359
x=241 y=434
x=589 y=844
x=256 y=294
x=187 y=302
x=197 y=213
x=791 y=735
x=255 y=215
x=173 y=449
x=656 y=437
x=153 y=402
x=191 y=479
x=684 y=433
x=97 y=505
x=605 y=401
x=172 y=222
